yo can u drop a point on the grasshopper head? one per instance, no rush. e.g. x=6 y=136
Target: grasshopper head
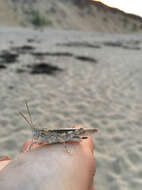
x=36 y=133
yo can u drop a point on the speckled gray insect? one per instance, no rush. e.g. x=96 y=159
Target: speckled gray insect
x=57 y=135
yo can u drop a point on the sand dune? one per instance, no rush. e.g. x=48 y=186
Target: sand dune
x=96 y=83
x=84 y=15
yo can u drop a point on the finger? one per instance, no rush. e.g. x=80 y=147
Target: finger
x=3 y=158
x=4 y=163
x=93 y=188
x=88 y=143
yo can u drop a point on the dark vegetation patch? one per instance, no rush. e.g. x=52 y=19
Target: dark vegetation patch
x=132 y=45
x=113 y=44
x=23 y=49
x=38 y=20
x=20 y=71
x=86 y=58
x=11 y=56
x=134 y=42
x=79 y=57
x=2 y=66
x=39 y=54
x=11 y=87
x=78 y=44
x=59 y=54
x=27 y=47
x=11 y=42
x=8 y=57
x=44 y=68
x=30 y=40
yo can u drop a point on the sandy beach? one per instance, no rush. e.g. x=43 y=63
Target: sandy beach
x=73 y=77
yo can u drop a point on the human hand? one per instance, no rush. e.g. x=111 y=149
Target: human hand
x=50 y=167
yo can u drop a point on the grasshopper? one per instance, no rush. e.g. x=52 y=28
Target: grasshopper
x=56 y=135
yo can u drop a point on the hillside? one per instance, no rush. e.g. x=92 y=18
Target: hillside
x=72 y=14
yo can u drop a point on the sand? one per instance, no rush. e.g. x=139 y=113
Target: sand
x=99 y=84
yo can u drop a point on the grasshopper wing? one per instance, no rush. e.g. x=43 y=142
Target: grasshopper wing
x=90 y=131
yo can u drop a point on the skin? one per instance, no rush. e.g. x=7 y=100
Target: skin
x=50 y=167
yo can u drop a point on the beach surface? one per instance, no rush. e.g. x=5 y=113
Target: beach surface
x=70 y=78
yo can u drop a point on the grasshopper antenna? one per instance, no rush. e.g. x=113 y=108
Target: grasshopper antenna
x=29 y=114
x=30 y=123
x=26 y=119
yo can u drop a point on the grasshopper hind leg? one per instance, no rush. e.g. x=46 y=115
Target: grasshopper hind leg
x=75 y=139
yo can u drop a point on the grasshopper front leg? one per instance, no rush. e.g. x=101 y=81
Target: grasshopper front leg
x=34 y=141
